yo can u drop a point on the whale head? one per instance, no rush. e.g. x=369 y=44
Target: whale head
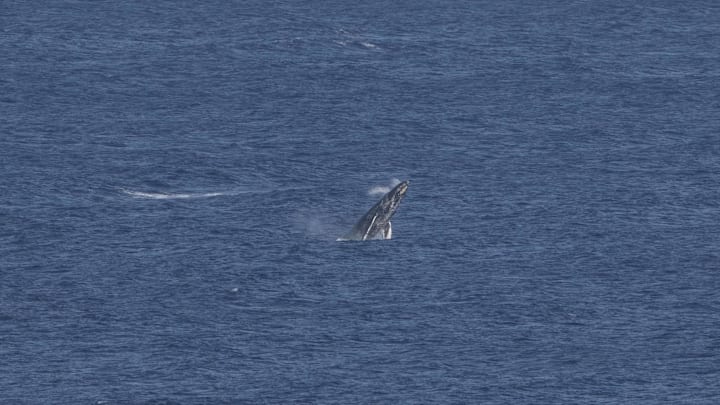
x=375 y=224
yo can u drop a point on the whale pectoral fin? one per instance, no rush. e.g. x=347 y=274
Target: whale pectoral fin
x=367 y=232
x=387 y=232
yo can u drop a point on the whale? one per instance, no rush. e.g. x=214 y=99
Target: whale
x=375 y=224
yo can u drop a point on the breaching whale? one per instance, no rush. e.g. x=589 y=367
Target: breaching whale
x=375 y=224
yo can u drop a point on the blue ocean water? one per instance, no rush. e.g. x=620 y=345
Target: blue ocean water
x=174 y=175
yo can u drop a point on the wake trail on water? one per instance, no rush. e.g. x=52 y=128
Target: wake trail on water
x=170 y=196
x=156 y=195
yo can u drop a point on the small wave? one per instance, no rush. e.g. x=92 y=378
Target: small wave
x=169 y=196
x=368 y=45
x=350 y=42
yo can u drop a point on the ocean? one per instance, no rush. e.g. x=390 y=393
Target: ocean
x=174 y=176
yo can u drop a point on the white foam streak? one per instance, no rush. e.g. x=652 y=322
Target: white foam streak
x=170 y=196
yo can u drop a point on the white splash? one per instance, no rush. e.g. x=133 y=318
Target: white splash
x=382 y=190
x=379 y=190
